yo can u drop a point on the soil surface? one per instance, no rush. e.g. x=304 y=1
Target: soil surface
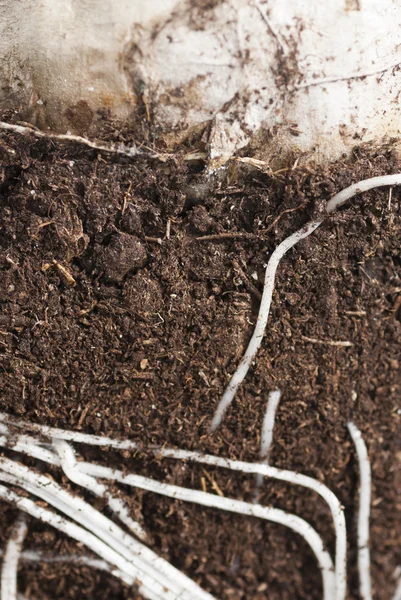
x=117 y=318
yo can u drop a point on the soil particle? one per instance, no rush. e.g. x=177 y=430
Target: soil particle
x=122 y=254
x=144 y=343
x=131 y=220
x=201 y=220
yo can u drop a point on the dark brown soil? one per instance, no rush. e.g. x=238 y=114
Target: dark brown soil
x=105 y=330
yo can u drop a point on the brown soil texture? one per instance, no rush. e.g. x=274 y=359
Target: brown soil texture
x=106 y=330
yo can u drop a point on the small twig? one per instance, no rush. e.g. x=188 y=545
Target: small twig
x=68 y=278
x=284 y=212
x=153 y=240
x=213 y=484
x=367 y=274
x=227 y=235
x=45 y=224
x=271 y=28
x=327 y=342
x=254 y=162
x=126 y=195
x=168 y=229
x=248 y=284
x=139 y=375
x=356 y=76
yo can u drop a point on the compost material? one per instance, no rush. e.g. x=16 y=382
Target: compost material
x=129 y=290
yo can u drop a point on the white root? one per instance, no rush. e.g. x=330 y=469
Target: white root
x=140 y=562
x=397 y=594
x=37 y=556
x=251 y=468
x=70 y=436
x=279 y=252
x=113 y=542
x=268 y=424
x=365 y=587
x=362 y=186
x=197 y=496
x=275 y=515
x=117 y=505
x=293 y=522
x=72 y=530
x=11 y=559
x=266 y=438
x=261 y=321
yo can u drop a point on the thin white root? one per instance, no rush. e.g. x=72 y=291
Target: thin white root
x=362 y=186
x=140 y=562
x=293 y=522
x=365 y=587
x=111 y=149
x=11 y=559
x=261 y=321
x=266 y=438
x=279 y=252
x=37 y=556
x=74 y=559
x=397 y=594
x=330 y=498
x=117 y=505
x=63 y=434
x=340 y=343
x=205 y=499
x=268 y=424
x=71 y=529
x=336 y=509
